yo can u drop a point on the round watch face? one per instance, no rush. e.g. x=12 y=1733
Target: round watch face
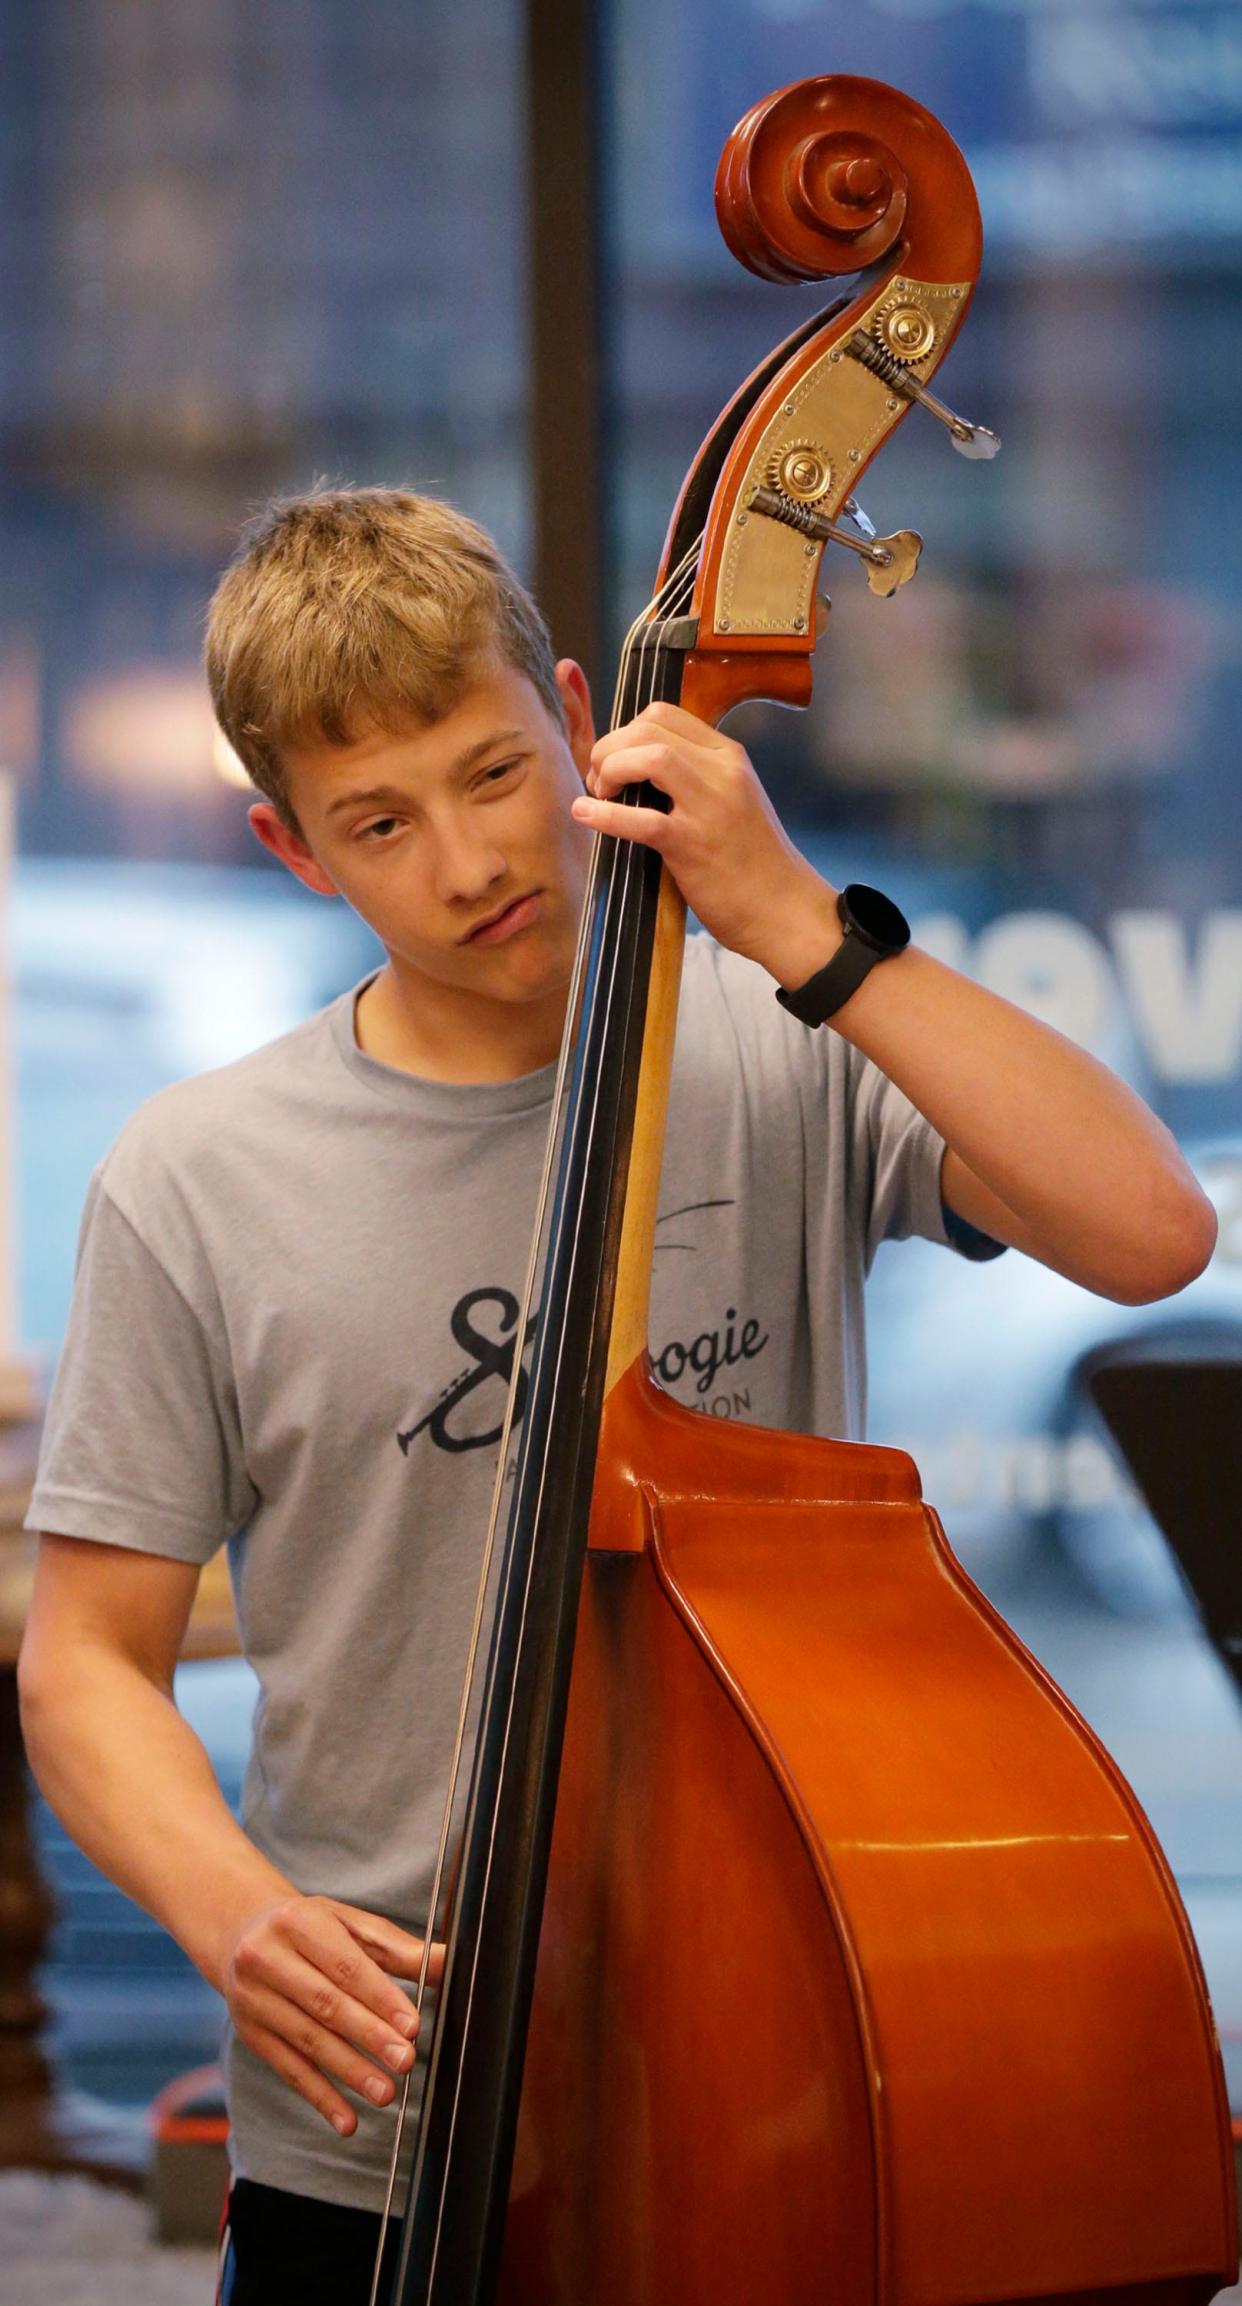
x=874 y=917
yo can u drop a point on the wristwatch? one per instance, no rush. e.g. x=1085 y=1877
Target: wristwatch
x=875 y=928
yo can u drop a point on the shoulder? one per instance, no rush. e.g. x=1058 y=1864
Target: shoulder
x=216 y=1117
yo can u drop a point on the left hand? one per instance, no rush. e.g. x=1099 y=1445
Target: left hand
x=721 y=839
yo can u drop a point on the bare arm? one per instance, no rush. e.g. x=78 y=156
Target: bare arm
x=307 y=1979
x=1047 y=1149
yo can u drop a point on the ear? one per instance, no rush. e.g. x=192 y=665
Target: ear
x=269 y=827
x=576 y=706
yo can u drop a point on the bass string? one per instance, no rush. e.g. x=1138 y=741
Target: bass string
x=566 y=1053
x=669 y=600
x=624 y=863
x=505 y=1589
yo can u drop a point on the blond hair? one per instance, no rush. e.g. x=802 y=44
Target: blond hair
x=355 y=610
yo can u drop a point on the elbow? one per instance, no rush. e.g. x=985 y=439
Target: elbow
x=36 y=1680
x=33 y=1699
x=27 y=1680
x=1176 y=1248
x=45 y=1686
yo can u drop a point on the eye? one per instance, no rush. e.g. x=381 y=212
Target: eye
x=378 y=829
x=499 y=773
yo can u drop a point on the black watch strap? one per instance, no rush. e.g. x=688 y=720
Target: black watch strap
x=874 y=930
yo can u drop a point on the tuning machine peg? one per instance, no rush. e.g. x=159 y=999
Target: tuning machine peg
x=891 y=560
x=972 y=440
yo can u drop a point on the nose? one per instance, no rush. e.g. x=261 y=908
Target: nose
x=467 y=863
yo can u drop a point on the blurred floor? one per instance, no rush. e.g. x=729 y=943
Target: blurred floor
x=69 y=2243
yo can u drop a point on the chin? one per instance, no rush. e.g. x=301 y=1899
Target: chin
x=531 y=975
x=550 y=985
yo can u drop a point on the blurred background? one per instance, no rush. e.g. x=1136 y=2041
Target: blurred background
x=247 y=246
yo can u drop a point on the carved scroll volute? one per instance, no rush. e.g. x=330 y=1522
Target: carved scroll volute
x=828 y=177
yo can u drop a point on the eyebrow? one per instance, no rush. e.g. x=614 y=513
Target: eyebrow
x=377 y=793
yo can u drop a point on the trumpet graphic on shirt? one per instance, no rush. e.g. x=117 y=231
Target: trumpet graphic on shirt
x=484 y=1324
x=490 y=1366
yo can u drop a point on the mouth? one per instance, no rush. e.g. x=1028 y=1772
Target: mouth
x=516 y=915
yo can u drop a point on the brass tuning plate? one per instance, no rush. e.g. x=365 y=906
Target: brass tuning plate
x=836 y=413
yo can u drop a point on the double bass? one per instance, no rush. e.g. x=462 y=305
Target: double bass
x=802 y=1942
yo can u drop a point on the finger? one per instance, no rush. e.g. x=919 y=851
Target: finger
x=647 y=826
x=342 y=2015
x=320 y=1933
x=395 y=1949
x=635 y=763
x=635 y=756
x=672 y=720
x=657 y=765
x=302 y=2076
x=667 y=715
x=276 y=2016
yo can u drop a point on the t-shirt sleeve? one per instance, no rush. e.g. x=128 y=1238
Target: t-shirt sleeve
x=141 y=1444
x=904 y=1154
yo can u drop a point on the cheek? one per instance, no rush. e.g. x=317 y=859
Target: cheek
x=571 y=840
x=572 y=853
x=386 y=887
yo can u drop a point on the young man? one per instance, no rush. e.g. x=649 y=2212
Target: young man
x=299 y=1277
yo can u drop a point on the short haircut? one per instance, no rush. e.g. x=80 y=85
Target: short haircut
x=356 y=610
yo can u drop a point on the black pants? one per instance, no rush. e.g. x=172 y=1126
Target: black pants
x=288 y=2250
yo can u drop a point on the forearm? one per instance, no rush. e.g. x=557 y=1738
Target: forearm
x=1072 y=1165
x=1096 y=1182
x=310 y=1981
x=131 y=1782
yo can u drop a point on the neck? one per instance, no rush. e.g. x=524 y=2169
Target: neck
x=445 y=1034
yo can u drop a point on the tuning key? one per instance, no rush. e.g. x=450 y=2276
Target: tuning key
x=891 y=560
x=972 y=440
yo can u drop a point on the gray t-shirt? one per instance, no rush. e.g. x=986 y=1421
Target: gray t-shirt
x=293 y=1324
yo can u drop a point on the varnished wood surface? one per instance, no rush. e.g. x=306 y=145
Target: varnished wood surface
x=628 y=1336
x=833 y=174
x=861 y=1976
x=710 y=686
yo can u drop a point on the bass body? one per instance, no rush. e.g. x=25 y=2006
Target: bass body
x=804 y=1945
x=862 y=1975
